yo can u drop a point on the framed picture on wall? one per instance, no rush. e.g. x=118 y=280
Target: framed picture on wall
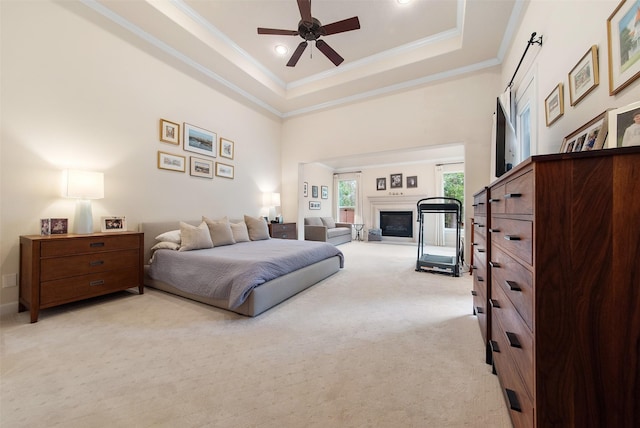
x=201 y=167
x=624 y=126
x=169 y=132
x=314 y=191
x=225 y=171
x=584 y=77
x=226 y=148
x=554 y=104
x=324 y=192
x=171 y=162
x=305 y=189
x=314 y=205
x=396 y=181
x=412 y=182
x=381 y=183
x=199 y=140
x=624 y=61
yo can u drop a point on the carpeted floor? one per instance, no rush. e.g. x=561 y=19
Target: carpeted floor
x=376 y=345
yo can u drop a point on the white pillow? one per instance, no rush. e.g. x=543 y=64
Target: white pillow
x=170 y=236
x=240 y=232
x=165 y=245
x=195 y=238
x=220 y=231
x=258 y=228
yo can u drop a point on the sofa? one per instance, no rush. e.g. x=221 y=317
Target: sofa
x=325 y=229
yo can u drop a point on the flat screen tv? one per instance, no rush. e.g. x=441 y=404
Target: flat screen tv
x=505 y=140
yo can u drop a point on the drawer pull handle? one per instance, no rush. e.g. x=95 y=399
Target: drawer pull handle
x=479 y=225
x=479 y=310
x=494 y=265
x=492 y=200
x=481 y=250
x=513 y=286
x=494 y=303
x=494 y=346
x=513 y=340
x=511 y=237
x=96 y=263
x=480 y=279
x=474 y=267
x=494 y=230
x=96 y=283
x=474 y=293
x=474 y=205
x=480 y=203
x=512 y=195
x=96 y=244
x=514 y=404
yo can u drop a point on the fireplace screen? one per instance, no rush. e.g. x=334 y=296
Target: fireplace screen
x=397 y=223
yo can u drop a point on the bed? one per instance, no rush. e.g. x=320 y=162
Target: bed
x=259 y=286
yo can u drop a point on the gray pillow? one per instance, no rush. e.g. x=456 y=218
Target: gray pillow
x=220 y=231
x=240 y=232
x=329 y=222
x=313 y=221
x=257 y=226
x=194 y=238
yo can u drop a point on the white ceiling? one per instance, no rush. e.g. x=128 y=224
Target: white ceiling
x=397 y=47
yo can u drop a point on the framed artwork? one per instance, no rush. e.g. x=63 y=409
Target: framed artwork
x=226 y=148
x=305 y=189
x=224 y=170
x=199 y=140
x=584 y=77
x=314 y=205
x=624 y=56
x=113 y=224
x=59 y=226
x=200 y=167
x=554 y=104
x=45 y=226
x=590 y=136
x=381 y=183
x=412 y=182
x=624 y=126
x=325 y=192
x=396 y=181
x=171 y=162
x=314 y=191
x=169 y=132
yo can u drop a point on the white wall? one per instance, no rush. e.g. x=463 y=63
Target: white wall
x=77 y=96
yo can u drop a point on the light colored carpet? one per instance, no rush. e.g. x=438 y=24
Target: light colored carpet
x=376 y=345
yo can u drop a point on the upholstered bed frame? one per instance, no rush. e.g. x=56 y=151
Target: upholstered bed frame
x=261 y=298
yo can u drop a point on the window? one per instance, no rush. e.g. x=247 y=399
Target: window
x=453 y=187
x=347 y=191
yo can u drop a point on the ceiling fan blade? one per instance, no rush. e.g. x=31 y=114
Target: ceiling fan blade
x=277 y=32
x=341 y=26
x=305 y=10
x=329 y=52
x=297 y=54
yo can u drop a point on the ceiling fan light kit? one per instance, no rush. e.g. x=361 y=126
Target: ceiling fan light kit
x=310 y=29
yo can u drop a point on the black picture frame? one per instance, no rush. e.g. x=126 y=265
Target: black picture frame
x=395 y=181
x=314 y=191
x=381 y=183
x=324 y=192
x=412 y=182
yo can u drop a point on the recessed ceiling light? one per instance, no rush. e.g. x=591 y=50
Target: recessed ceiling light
x=281 y=50
x=403 y=1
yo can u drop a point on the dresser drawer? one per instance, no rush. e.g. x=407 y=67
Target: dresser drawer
x=94 y=244
x=480 y=310
x=480 y=203
x=519 y=403
x=283 y=230
x=515 y=281
x=480 y=281
x=497 y=200
x=515 y=236
x=63 y=267
x=66 y=290
x=518 y=194
x=480 y=226
x=516 y=336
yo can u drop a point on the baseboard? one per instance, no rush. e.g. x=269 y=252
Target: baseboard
x=9 y=308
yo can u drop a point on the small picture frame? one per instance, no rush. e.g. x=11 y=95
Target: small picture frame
x=395 y=181
x=225 y=171
x=199 y=140
x=169 y=132
x=554 y=104
x=624 y=126
x=59 y=226
x=305 y=189
x=45 y=226
x=314 y=205
x=584 y=77
x=314 y=191
x=171 y=162
x=226 y=148
x=200 y=167
x=113 y=224
x=412 y=182
x=324 y=192
x=590 y=136
x=624 y=62
x=381 y=183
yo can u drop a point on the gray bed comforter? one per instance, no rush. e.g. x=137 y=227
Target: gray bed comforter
x=231 y=272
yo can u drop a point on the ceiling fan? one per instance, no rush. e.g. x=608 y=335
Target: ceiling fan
x=309 y=28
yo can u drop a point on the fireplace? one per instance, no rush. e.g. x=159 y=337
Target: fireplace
x=397 y=223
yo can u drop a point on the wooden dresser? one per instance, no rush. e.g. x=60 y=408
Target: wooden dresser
x=283 y=230
x=481 y=280
x=565 y=289
x=59 y=269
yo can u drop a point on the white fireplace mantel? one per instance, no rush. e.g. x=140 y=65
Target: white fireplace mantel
x=393 y=203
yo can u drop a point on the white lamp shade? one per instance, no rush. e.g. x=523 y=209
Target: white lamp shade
x=82 y=184
x=271 y=199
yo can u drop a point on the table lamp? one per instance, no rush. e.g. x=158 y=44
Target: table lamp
x=84 y=186
x=271 y=200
